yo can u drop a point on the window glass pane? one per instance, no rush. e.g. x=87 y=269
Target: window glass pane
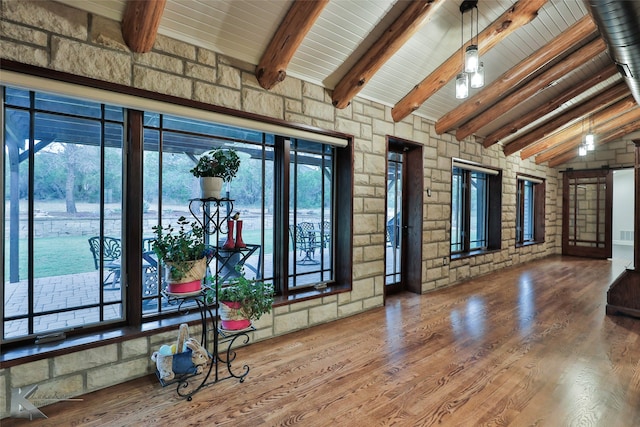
x=527 y=221
x=16 y=97
x=74 y=184
x=311 y=206
x=478 y=211
x=457 y=210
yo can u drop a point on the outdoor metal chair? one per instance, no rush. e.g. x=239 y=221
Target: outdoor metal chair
x=305 y=239
x=325 y=233
x=111 y=253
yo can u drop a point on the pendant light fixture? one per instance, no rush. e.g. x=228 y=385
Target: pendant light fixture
x=589 y=138
x=472 y=69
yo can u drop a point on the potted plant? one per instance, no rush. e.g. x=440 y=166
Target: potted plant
x=184 y=254
x=214 y=168
x=241 y=300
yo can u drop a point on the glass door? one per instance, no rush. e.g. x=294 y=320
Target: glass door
x=586 y=213
x=394 y=223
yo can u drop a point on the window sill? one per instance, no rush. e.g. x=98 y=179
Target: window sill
x=310 y=293
x=520 y=245
x=473 y=253
x=33 y=352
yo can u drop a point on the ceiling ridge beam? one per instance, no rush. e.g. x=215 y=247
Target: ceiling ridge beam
x=272 y=68
x=548 y=107
x=575 y=139
x=595 y=102
x=518 y=15
x=571 y=131
x=556 y=72
x=517 y=75
x=605 y=139
x=415 y=15
x=140 y=22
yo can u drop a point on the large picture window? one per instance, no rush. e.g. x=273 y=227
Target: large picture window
x=530 y=210
x=475 y=209
x=78 y=241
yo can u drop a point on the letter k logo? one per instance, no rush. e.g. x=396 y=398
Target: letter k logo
x=21 y=407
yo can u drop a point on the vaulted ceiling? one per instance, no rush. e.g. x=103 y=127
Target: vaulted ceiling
x=549 y=75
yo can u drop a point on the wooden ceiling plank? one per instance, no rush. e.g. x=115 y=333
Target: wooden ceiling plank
x=517 y=75
x=416 y=14
x=556 y=72
x=518 y=15
x=576 y=138
x=584 y=109
x=140 y=23
x=576 y=129
x=299 y=19
x=548 y=107
x=563 y=158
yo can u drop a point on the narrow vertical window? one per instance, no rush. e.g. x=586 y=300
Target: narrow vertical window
x=529 y=210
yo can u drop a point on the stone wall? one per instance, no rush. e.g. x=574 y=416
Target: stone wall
x=58 y=37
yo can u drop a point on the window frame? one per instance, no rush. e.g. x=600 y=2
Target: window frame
x=492 y=208
x=538 y=189
x=133 y=204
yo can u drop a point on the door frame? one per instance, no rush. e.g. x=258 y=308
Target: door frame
x=412 y=204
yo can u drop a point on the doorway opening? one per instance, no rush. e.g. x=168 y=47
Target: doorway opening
x=403 y=219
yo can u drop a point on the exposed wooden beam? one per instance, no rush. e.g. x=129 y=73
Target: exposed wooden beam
x=302 y=14
x=521 y=13
x=140 y=23
x=576 y=129
x=594 y=103
x=416 y=14
x=508 y=81
x=607 y=138
x=576 y=139
x=548 y=107
x=556 y=72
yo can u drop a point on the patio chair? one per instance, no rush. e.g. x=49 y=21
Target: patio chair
x=304 y=237
x=149 y=274
x=111 y=253
x=325 y=233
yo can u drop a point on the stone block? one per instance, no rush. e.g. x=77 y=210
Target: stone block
x=135 y=347
x=229 y=76
x=174 y=47
x=91 y=61
x=347 y=126
x=350 y=309
x=105 y=376
x=200 y=72
x=261 y=102
x=157 y=81
x=374 y=205
x=290 y=88
x=291 y=322
x=216 y=95
x=47 y=16
x=23 y=34
x=309 y=90
x=374 y=164
x=318 y=109
x=365 y=224
x=323 y=313
x=375 y=301
x=30 y=373
x=22 y=53
x=4 y=405
x=206 y=57
x=372 y=253
x=159 y=61
x=108 y=33
x=293 y=105
x=85 y=359
x=381 y=127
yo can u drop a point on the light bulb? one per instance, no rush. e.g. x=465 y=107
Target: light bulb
x=477 y=78
x=590 y=142
x=582 y=150
x=471 y=59
x=462 y=85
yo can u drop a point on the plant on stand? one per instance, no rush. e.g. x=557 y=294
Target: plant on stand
x=241 y=300
x=214 y=168
x=184 y=254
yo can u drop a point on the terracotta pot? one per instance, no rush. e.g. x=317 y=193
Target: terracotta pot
x=211 y=187
x=231 y=318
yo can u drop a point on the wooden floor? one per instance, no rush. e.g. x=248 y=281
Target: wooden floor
x=528 y=346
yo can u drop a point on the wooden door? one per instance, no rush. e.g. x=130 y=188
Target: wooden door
x=587 y=203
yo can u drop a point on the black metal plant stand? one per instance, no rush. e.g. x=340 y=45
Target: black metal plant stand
x=220 y=347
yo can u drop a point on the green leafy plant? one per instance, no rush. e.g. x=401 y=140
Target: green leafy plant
x=179 y=247
x=220 y=163
x=255 y=297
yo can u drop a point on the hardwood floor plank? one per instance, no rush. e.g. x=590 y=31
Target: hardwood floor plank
x=525 y=346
